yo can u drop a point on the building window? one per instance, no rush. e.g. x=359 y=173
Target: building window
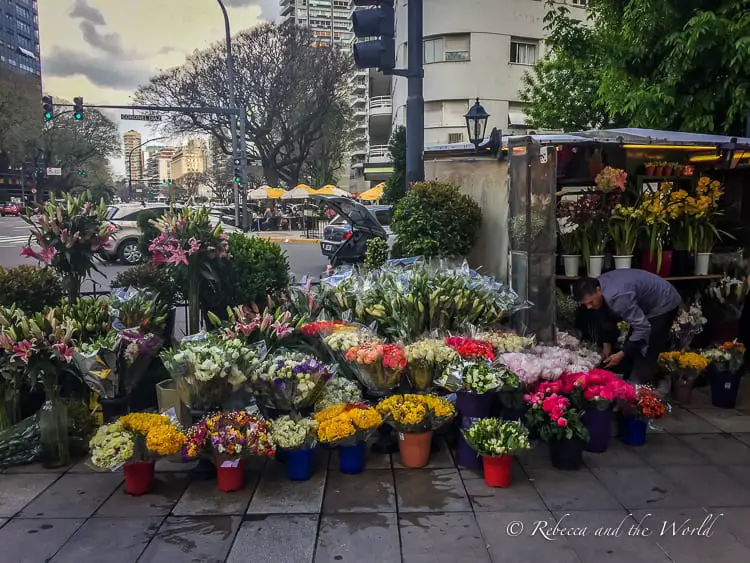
x=523 y=51
x=455 y=138
x=445 y=113
x=580 y=2
x=451 y=48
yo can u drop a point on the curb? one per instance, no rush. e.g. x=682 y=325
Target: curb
x=293 y=240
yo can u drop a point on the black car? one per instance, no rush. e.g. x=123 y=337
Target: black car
x=345 y=238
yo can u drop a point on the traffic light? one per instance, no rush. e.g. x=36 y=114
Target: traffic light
x=237 y=171
x=48 y=107
x=78 y=108
x=377 y=21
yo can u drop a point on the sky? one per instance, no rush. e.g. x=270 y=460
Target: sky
x=103 y=50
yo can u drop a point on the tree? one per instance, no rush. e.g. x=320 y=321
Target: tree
x=331 y=152
x=190 y=184
x=395 y=186
x=20 y=116
x=289 y=86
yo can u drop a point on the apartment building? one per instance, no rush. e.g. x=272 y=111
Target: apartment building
x=191 y=158
x=328 y=20
x=19 y=37
x=133 y=155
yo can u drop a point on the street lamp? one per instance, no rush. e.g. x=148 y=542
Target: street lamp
x=476 y=123
x=130 y=168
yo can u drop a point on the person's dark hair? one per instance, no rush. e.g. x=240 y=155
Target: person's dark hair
x=585 y=287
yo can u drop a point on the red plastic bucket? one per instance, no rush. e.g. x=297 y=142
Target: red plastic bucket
x=497 y=470
x=139 y=477
x=230 y=474
x=649 y=262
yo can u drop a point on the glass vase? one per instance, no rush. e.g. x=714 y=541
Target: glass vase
x=53 y=425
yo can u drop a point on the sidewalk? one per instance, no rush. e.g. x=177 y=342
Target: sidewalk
x=690 y=478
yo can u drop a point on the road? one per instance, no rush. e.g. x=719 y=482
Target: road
x=305 y=259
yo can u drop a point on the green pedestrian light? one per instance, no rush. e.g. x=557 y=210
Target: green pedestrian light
x=78 y=108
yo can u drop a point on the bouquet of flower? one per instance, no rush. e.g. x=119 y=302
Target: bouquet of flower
x=553 y=416
x=471 y=349
x=688 y=324
x=347 y=424
x=229 y=435
x=728 y=294
x=427 y=358
x=478 y=377
x=598 y=388
x=250 y=325
x=686 y=366
x=377 y=366
x=549 y=363
x=504 y=342
x=339 y=390
x=623 y=228
x=727 y=358
x=288 y=433
x=325 y=328
x=135 y=437
x=416 y=414
x=493 y=437
x=290 y=381
x=92 y=316
x=567 y=340
x=611 y=179
x=134 y=308
x=645 y=405
x=207 y=369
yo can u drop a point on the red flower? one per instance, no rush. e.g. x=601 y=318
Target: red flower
x=469 y=348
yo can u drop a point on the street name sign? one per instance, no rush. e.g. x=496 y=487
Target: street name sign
x=140 y=117
x=54 y=171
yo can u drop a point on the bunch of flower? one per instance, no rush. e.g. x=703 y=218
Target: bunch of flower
x=427 y=359
x=69 y=235
x=549 y=363
x=729 y=295
x=134 y=308
x=567 y=340
x=685 y=365
x=493 y=437
x=415 y=414
x=347 y=424
x=597 y=388
x=645 y=405
x=688 y=324
x=695 y=215
x=294 y=434
x=553 y=415
x=624 y=225
x=569 y=233
x=377 y=366
x=111 y=447
x=610 y=179
x=479 y=377
x=343 y=340
x=231 y=435
x=250 y=325
x=471 y=349
x=728 y=357
x=339 y=390
x=290 y=380
x=207 y=369
x=591 y=212
x=322 y=328
x=504 y=342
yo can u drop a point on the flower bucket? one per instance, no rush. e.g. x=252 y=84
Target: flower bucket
x=472 y=406
x=650 y=260
x=682 y=389
x=415 y=449
x=633 y=431
x=683 y=263
x=572 y=263
x=139 y=477
x=352 y=458
x=497 y=470
x=724 y=388
x=649 y=170
x=623 y=262
x=230 y=474
x=596 y=263
x=667 y=171
x=702 y=263
x=566 y=454
x=466 y=456
x=599 y=425
x=299 y=463
x=658 y=170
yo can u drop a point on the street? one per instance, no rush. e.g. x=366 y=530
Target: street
x=305 y=259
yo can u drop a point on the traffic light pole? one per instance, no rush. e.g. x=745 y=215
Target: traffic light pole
x=243 y=168
x=415 y=97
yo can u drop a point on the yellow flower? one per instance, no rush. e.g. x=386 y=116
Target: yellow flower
x=165 y=440
x=329 y=412
x=335 y=429
x=142 y=423
x=365 y=419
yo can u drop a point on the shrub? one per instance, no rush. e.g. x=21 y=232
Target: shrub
x=147 y=277
x=376 y=254
x=435 y=219
x=30 y=288
x=148 y=231
x=395 y=186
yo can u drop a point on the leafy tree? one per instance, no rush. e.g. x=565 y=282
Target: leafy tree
x=190 y=184
x=395 y=186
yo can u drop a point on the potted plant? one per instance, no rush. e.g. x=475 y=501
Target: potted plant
x=348 y=426
x=228 y=438
x=611 y=179
x=427 y=358
x=497 y=441
x=659 y=168
x=653 y=210
x=637 y=411
x=134 y=441
x=684 y=368
x=650 y=168
x=623 y=229
x=688 y=324
x=726 y=299
x=297 y=438
x=415 y=417
x=725 y=364
x=570 y=239
x=667 y=168
x=708 y=194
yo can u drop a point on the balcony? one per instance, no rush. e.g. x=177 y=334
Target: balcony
x=358 y=100
x=381 y=105
x=379 y=154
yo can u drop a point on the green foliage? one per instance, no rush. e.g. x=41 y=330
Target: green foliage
x=92 y=315
x=147 y=277
x=395 y=186
x=436 y=219
x=30 y=288
x=376 y=254
x=148 y=231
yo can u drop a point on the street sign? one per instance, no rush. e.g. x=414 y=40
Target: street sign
x=140 y=117
x=54 y=171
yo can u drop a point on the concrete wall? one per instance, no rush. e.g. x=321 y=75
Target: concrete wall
x=485 y=180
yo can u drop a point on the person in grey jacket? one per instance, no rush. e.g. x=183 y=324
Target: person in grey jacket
x=647 y=303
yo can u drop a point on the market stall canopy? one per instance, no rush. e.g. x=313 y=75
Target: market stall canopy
x=332 y=190
x=266 y=192
x=297 y=193
x=373 y=194
x=305 y=187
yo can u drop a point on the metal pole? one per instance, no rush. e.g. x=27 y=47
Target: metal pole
x=130 y=175
x=243 y=171
x=415 y=99
x=232 y=104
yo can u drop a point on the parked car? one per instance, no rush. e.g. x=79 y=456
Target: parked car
x=10 y=208
x=345 y=237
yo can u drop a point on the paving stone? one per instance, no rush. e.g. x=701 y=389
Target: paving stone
x=728 y=420
x=276 y=494
x=682 y=421
x=204 y=539
x=371 y=491
x=617 y=455
x=288 y=538
x=109 y=540
x=603 y=536
x=3 y=521
x=16 y=491
x=536 y=457
x=644 y=487
x=168 y=488
x=203 y=498
x=740 y=474
x=711 y=486
x=36 y=468
x=83 y=466
x=514 y=537
x=351 y=538
x=735 y=521
x=73 y=496
x=441 y=538
x=167 y=465
x=521 y=495
x=35 y=541
x=719 y=449
x=743 y=437
x=440 y=459
x=436 y=490
x=373 y=461
x=572 y=490
x=663 y=449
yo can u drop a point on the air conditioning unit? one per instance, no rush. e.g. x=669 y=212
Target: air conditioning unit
x=455 y=138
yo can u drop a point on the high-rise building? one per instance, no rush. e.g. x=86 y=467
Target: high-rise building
x=159 y=165
x=133 y=156
x=19 y=40
x=328 y=20
x=192 y=158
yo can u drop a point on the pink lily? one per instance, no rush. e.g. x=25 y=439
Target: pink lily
x=47 y=255
x=65 y=351
x=22 y=351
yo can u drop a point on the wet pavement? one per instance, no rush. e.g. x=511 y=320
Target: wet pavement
x=684 y=496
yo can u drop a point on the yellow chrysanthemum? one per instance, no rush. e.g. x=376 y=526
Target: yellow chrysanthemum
x=165 y=440
x=141 y=423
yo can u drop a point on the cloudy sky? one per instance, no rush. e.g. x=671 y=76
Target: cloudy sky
x=103 y=49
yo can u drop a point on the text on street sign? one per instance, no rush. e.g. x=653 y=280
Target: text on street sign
x=139 y=117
